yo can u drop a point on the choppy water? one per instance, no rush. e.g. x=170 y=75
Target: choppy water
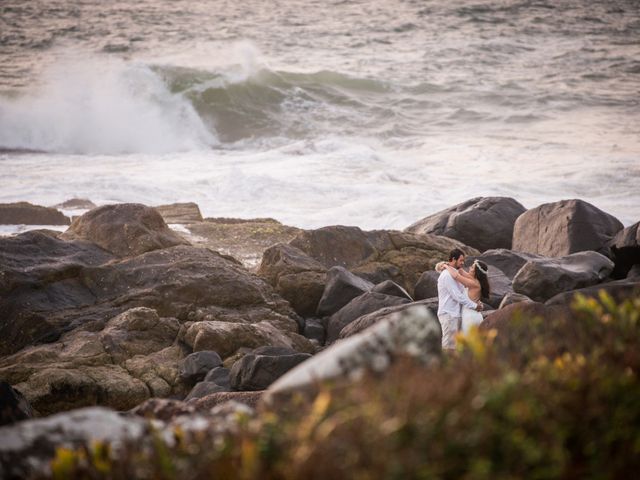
x=372 y=113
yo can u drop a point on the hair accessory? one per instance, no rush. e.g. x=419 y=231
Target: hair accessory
x=476 y=264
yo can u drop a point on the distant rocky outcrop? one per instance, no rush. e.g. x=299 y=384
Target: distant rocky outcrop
x=482 y=223
x=565 y=227
x=24 y=213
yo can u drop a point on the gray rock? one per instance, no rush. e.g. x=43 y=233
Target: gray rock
x=258 y=370
x=384 y=314
x=13 y=406
x=511 y=298
x=202 y=389
x=620 y=290
x=196 y=366
x=389 y=287
x=414 y=332
x=626 y=250
x=314 y=330
x=23 y=213
x=26 y=448
x=542 y=279
x=220 y=376
x=342 y=287
x=427 y=286
x=482 y=222
x=76 y=204
x=125 y=230
x=507 y=261
x=366 y=303
x=634 y=273
x=565 y=227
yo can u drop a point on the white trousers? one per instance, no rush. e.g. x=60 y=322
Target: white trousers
x=450 y=326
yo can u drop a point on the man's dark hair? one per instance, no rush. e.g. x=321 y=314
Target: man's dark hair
x=455 y=254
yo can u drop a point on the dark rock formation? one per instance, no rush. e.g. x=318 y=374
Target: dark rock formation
x=389 y=287
x=258 y=370
x=24 y=213
x=314 y=330
x=511 y=298
x=542 y=279
x=342 y=286
x=565 y=227
x=125 y=230
x=202 y=389
x=13 y=406
x=626 y=250
x=220 y=376
x=366 y=303
x=197 y=365
x=620 y=290
x=522 y=311
x=76 y=204
x=507 y=261
x=482 y=223
x=427 y=286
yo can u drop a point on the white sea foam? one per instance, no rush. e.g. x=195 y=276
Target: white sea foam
x=101 y=107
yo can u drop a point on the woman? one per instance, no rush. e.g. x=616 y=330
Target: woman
x=476 y=282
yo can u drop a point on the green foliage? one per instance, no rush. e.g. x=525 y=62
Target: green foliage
x=555 y=398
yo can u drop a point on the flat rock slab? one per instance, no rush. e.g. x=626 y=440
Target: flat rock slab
x=182 y=213
x=24 y=213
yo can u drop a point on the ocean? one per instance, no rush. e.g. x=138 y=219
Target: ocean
x=367 y=113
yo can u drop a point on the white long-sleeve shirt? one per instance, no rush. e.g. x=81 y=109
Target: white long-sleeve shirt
x=451 y=296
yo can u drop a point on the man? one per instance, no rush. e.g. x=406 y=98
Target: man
x=451 y=299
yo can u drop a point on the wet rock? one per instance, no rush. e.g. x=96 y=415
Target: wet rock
x=565 y=227
x=366 y=303
x=297 y=277
x=182 y=213
x=244 y=239
x=389 y=287
x=542 y=279
x=202 y=389
x=125 y=230
x=13 y=406
x=197 y=365
x=27 y=447
x=626 y=250
x=24 y=213
x=385 y=314
x=258 y=370
x=427 y=286
x=482 y=223
x=342 y=287
x=414 y=332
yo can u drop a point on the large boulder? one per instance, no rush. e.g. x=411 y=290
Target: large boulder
x=565 y=227
x=13 y=406
x=26 y=448
x=298 y=278
x=414 y=332
x=366 y=303
x=258 y=370
x=220 y=376
x=387 y=314
x=626 y=250
x=125 y=230
x=507 y=261
x=182 y=213
x=513 y=297
x=427 y=286
x=501 y=320
x=342 y=286
x=542 y=279
x=24 y=213
x=389 y=287
x=197 y=365
x=482 y=223
x=204 y=388
x=620 y=290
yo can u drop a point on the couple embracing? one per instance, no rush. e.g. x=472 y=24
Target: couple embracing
x=459 y=295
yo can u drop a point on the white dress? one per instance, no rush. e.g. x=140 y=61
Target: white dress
x=470 y=317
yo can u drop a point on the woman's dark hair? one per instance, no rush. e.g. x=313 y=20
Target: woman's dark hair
x=485 y=289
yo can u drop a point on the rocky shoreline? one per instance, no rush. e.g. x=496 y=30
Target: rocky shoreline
x=121 y=311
